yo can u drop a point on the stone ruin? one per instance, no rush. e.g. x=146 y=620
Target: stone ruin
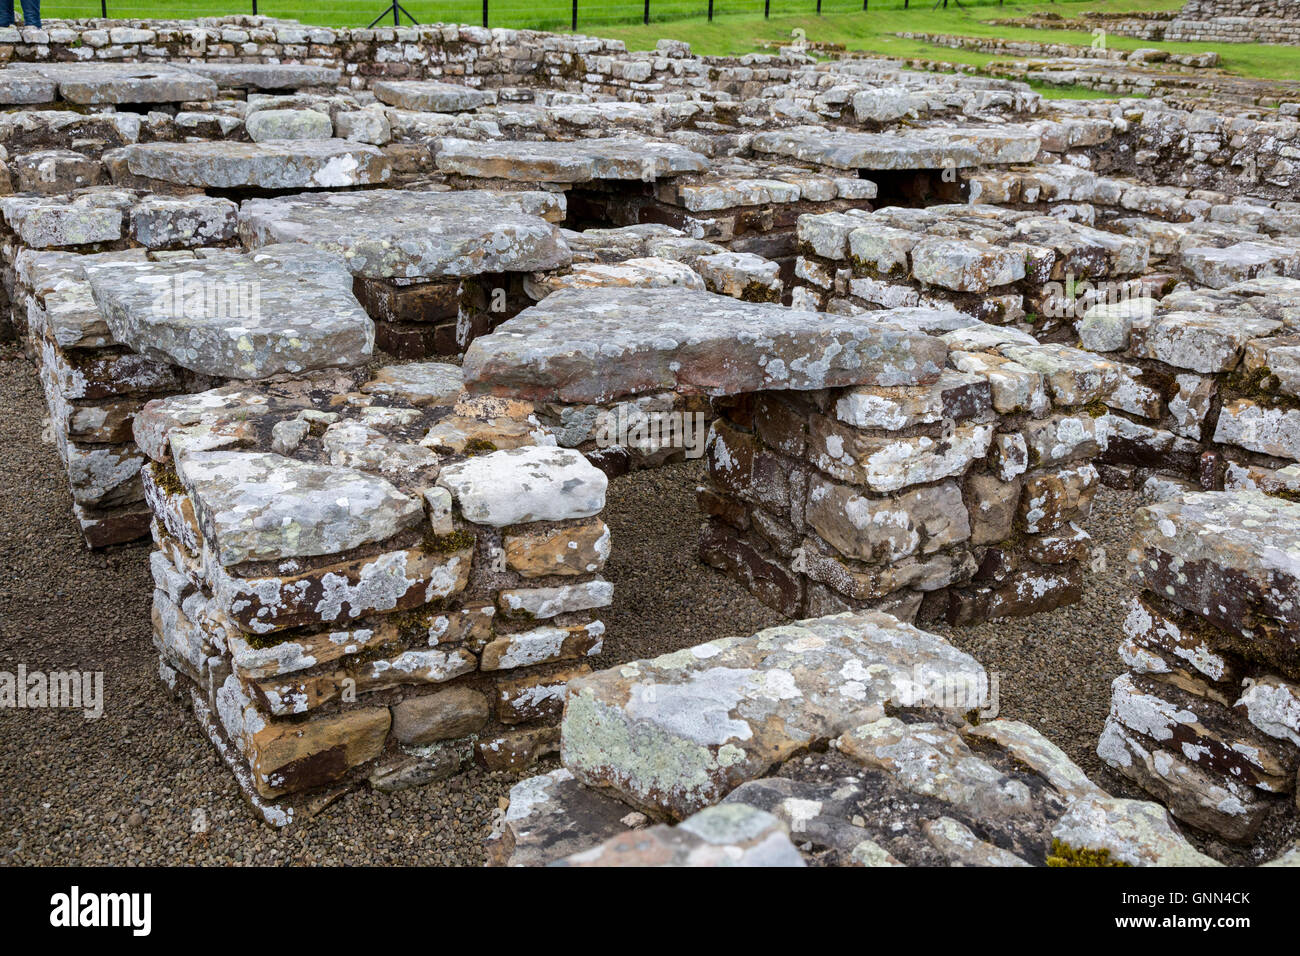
x=356 y=326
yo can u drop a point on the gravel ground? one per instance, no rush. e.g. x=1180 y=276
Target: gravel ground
x=125 y=788
x=1054 y=670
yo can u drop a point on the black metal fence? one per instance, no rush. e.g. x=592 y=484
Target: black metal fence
x=548 y=15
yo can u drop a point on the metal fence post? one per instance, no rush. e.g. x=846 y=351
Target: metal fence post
x=485 y=5
x=710 y=11
x=103 y=8
x=819 y=8
x=575 y=16
x=767 y=8
x=254 y=7
x=645 y=18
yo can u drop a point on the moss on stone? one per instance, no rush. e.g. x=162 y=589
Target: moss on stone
x=1065 y=855
x=166 y=479
x=447 y=543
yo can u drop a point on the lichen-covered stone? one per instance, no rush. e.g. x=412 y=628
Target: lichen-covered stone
x=678 y=732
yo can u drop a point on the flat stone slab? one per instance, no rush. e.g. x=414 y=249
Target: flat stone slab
x=594 y=345
x=92 y=84
x=917 y=149
x=677 y=733
x=625 y=158
x=266 y=76
x=285 y=308
x=521 y=485
x=430 y=96
x=89 y=216
x=21 y=85
x=414 y=235
x=258 y=506
x=275 y=164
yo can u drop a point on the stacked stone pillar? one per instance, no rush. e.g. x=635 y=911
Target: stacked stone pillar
x=369 y=578
x=1207 y=719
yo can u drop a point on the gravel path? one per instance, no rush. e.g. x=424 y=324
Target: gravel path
x=125 y=788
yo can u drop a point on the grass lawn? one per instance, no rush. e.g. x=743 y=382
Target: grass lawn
x=739 y=26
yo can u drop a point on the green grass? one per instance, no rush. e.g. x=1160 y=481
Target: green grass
x=739 y=26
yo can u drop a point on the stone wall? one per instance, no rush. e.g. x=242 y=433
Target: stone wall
x=490 y=58
x=952 y=500
x=1188 y=321
x=1236 y=21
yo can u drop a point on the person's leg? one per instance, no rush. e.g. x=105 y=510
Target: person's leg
x=31 y=12
x=6 y=13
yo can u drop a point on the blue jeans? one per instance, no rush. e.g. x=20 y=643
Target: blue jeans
x=31 y=13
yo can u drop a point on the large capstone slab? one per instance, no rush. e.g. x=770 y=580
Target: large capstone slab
x=594 y=345
x=274 y=164
x=938 y=148
x=266 y=76
x=627 y=158
x=679 y=732
x=285 y=308
x=412 y=235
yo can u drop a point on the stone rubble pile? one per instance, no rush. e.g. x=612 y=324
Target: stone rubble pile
x=1208 y=718
x=847 y=740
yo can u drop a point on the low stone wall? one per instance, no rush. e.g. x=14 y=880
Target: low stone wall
x=1236 y=21
x=475 y=56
